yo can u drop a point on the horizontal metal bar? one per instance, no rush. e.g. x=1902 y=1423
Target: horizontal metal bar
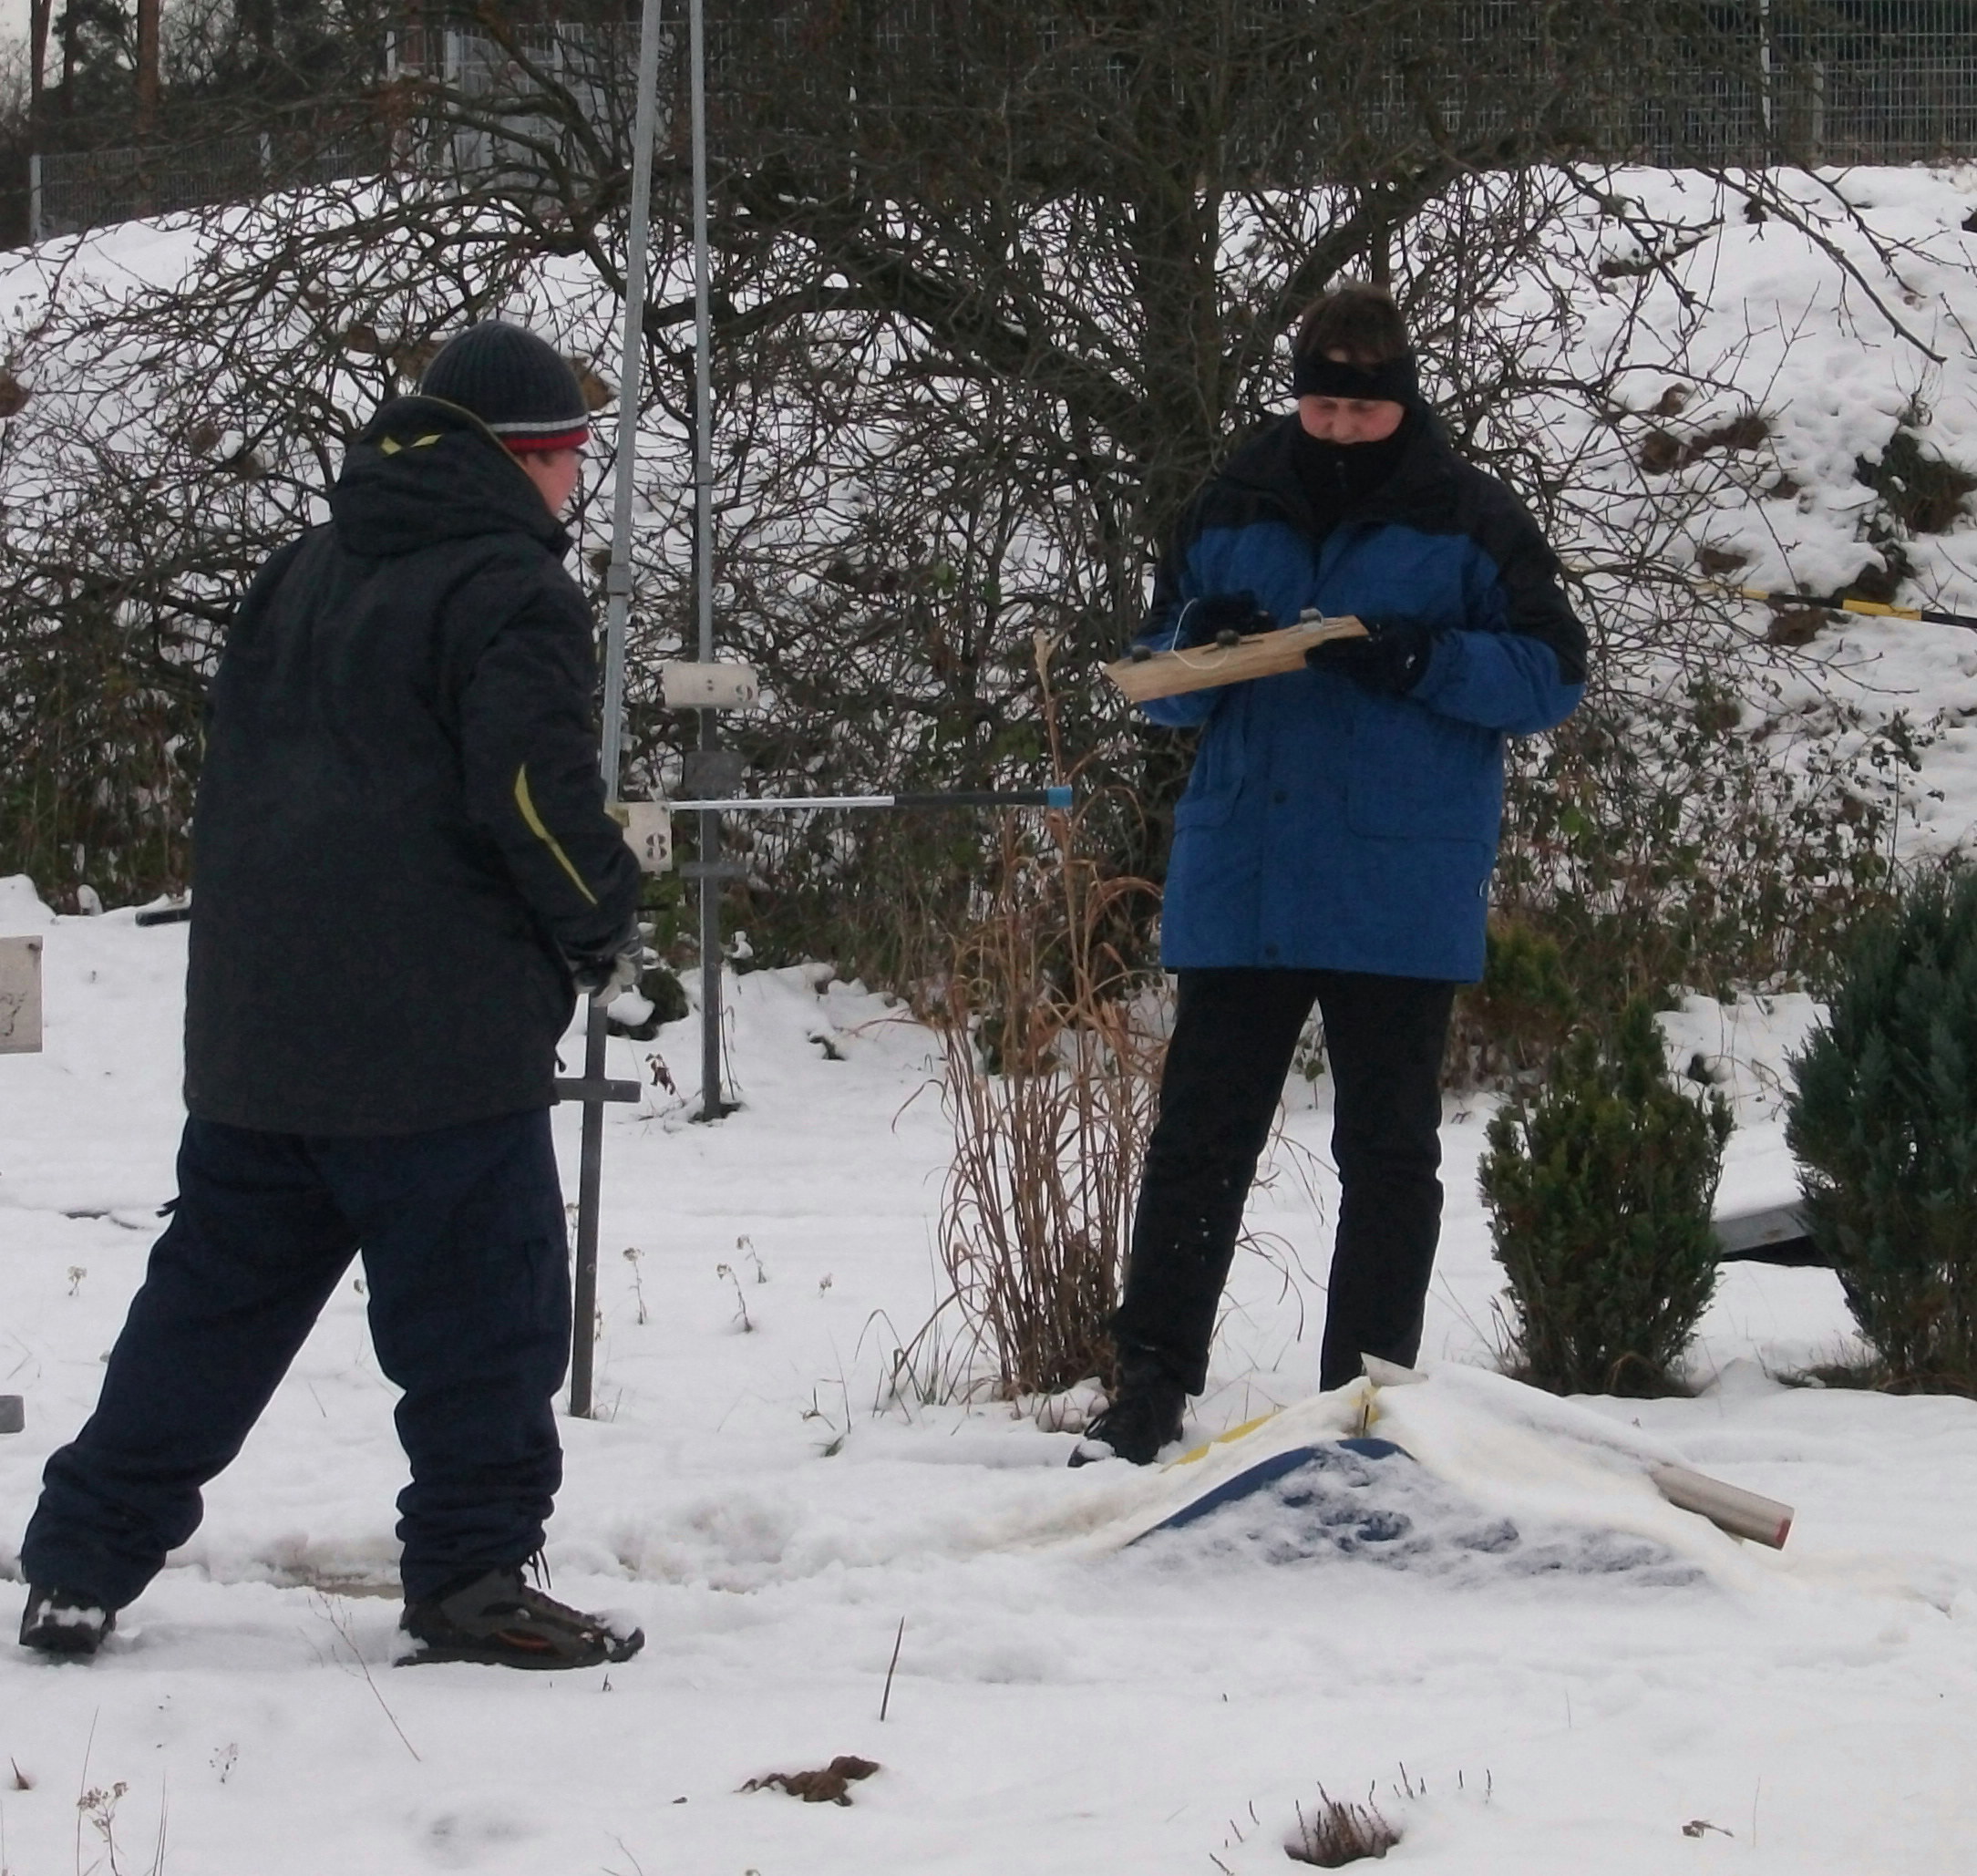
x=958 y=797
x=572 y=1087
x=166 y=915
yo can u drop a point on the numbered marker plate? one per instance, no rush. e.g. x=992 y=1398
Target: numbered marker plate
x=648 y=831
x=730 y=687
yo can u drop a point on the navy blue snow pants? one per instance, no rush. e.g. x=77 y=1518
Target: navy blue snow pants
x=466 y=1264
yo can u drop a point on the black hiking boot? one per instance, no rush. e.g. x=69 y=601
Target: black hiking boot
x=62 y=1625
x=1143 y=1416
x=500 y=1621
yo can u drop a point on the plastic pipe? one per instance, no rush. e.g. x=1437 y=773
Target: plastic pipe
x=1728 y=1507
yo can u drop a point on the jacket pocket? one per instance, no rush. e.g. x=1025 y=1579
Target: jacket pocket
x=1210 y=809
x=1417 y=774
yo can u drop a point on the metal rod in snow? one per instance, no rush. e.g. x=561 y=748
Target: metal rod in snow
x=953 y=797
x=611 y=750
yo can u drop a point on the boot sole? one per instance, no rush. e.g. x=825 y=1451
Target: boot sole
x=490 y=1655
x=62 y=1644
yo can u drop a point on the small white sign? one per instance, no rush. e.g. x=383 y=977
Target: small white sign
x=648 y=831
x=20 y=996
x=730 y=687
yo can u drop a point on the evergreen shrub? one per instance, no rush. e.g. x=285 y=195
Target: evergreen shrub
x=1883 y=1121
x=1601 y=1188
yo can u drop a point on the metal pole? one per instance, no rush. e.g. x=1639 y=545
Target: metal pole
x=631 y=386
x=712 y=1106
x=589 y=1186
x=1059 y=797
x=1764 y=71
x=33 y=197
x=610 y=754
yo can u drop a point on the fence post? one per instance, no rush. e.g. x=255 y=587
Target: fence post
x=1764 y=76
x=33 y=197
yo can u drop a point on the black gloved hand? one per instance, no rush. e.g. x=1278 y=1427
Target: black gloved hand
x=1204 y=621
x=605 y=975
x=1391 y=658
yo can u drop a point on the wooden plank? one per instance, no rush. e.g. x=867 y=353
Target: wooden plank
x=1205 y=666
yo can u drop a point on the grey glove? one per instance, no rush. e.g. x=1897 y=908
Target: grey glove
x=608 y=974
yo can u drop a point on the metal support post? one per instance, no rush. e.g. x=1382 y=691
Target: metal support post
x=1763 y=77
x=712 y=1104
x=595 y=1090
x=590 y=1184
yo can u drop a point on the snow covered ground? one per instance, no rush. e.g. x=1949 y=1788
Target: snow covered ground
x=1057 y=1705
x=771 y=1516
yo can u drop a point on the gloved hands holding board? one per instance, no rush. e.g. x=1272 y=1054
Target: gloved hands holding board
x=1232 y=657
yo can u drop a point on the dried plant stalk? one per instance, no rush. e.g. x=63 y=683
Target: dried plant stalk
x=1051 y=1072
x=1338 y=1833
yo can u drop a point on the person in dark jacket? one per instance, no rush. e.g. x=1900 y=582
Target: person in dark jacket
x=404 y=874
x=1335 y=842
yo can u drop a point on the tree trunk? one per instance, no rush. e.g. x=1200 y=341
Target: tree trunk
x=40 y=12
x=67 y=31
x=147 y=69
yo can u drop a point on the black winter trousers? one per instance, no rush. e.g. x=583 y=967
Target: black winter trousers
x=1235 y=1031
x=465 y=1258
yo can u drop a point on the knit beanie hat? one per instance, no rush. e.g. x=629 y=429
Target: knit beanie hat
x=523 y=389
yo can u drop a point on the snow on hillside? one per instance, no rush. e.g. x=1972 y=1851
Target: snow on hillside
x=1058 y=1707
x=1795 y=327
x=1752 y=363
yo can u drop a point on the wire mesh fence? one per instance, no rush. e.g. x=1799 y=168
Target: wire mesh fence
x=71 y=191
x=1815 y=81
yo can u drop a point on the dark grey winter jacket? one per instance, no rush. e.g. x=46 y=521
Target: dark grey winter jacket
x=400 y=828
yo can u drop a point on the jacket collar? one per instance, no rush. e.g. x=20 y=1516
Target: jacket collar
x=423 y=470
x=1265 y=464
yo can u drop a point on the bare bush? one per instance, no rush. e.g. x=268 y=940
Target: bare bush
x=1050 y=1068
x=1338 y=1833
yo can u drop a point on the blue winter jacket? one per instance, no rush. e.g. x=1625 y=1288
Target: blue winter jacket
x=1325 y=826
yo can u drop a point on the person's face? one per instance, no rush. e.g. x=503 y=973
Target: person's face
x=1349 y=419
x=554 y=473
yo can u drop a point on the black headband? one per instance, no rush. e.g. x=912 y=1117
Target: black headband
x=1393 y=380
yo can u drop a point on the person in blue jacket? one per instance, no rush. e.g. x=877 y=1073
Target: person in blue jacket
x=1335 y=840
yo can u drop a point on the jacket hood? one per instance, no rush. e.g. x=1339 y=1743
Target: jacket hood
x=1267 y=463
x=423 y=470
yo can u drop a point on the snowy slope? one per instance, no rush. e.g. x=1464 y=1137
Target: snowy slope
x=1058 y=1707
x=1842 y=317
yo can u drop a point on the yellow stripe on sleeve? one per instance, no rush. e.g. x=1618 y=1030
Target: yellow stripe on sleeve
x=526 y=802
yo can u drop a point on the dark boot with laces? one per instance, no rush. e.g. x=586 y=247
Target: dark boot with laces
x=1143 y=1415
x=64 y=1625
x=501 y=1621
